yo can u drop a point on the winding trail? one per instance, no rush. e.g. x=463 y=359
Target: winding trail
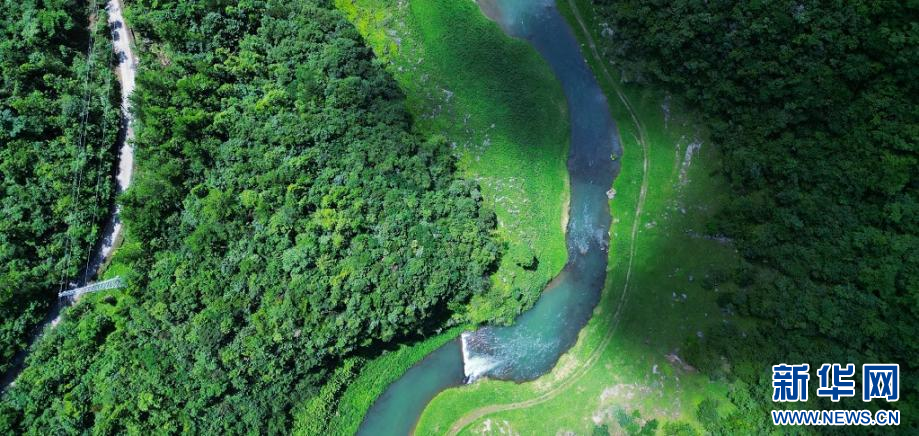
x=126 y=71
x=112 y=229
x=476 y=414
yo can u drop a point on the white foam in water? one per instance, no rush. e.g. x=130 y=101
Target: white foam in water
x=582 y=244
x=474 y=366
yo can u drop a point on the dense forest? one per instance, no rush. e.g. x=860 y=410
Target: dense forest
x=283 y=216
x=813 y=105
x=58 y=124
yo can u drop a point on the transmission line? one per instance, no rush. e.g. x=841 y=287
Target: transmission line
x=81 y=147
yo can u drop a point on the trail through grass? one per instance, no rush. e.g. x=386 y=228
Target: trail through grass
x=502 y=109
x=660 y=292
x=499 y=105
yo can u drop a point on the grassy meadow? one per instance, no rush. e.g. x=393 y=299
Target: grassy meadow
x=665 y=274
x=505 y=116
x=501 y=108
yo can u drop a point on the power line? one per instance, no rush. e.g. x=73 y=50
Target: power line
x=78 y=183
x=99 y=173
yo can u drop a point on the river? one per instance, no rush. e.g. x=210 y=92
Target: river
x=533 y=344
x=112 y=228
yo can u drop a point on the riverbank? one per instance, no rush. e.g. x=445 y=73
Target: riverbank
x=357 y=384
x=499 y=105
x=626 y=368
x=511 y=139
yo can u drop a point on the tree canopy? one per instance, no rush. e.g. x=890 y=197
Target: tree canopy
x=284 y=215
x=58 y=123
x=814 y=108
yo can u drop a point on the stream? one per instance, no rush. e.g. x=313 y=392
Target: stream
x=533 y=344
x=112 y=228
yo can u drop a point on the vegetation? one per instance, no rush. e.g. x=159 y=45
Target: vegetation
x=294 y=215
x=504 y=113
x=483 y=91
x=284 y=222
x=795 y=137
x=58 y=121
x=353 y=391
x=629 y=359
x=814 y=108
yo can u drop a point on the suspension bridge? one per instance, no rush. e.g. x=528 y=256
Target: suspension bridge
x=112 y=229
x=112 y=283
x=126 y=65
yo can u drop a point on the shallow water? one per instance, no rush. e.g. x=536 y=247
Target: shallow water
x=533 y=344
x=396 y=411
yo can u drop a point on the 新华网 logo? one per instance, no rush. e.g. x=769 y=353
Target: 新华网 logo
x=879 y=380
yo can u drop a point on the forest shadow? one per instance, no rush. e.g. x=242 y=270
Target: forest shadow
x=503 y=79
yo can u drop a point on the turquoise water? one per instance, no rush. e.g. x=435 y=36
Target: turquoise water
x=396 y=411
x=533 y=344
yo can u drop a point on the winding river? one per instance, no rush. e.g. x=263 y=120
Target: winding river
x=533 y=344
x=112 y=228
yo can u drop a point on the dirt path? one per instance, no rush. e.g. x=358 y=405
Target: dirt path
x=476 y=414
x=126 y=70
x=112 y=229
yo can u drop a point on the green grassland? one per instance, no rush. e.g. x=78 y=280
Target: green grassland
x=665 y=275
x=498 y=103
x=357 y=384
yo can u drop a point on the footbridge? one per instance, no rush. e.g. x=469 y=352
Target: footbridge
x=112 y=283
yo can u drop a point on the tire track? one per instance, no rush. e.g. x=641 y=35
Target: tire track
x=476 y=414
